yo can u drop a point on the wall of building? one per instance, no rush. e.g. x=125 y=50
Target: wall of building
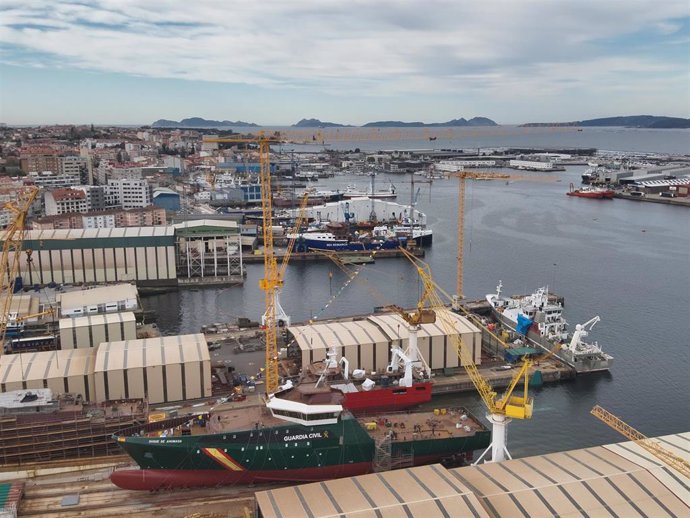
x=142 y=254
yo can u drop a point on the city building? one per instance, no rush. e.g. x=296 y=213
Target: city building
x=62 y=201
x=129 y=193
x=166 y=199
x=49 y=179
x=39 y=158
x=113 y=218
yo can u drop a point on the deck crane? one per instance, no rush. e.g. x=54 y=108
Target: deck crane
x=280 y=314
x=13 y=239
x=411 y=358
x=501 y=410
x=653 y=447
x=271 y=280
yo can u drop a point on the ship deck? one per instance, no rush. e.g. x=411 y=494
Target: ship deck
x=419 y=425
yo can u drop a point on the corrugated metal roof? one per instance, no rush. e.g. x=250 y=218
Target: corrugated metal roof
x=95 y=320
x=148 y=352
x=90 y=233
x=426 y=491
x=94 y=296
x=45 y=365
x=378 y=328
x=22 y=305
x=324 y=335
x=617 y=480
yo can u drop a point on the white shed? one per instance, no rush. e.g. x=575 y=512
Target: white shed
x=105 y=299
x=92 y=330
x=162 y=369
x=64 y=372
x=366 y=342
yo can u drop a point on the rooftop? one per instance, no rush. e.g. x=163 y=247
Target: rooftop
x=614 y=480
x=94 y=296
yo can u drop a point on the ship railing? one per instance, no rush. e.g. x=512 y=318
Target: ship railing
x=157 y=426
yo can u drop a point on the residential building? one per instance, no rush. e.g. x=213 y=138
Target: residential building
x=72 y=165
x=62 y=201
x=129 y=194
x=39 y=158
x=147 y=217
x=49 y=179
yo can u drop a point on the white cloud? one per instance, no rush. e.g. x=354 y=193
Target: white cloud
x=361 y=47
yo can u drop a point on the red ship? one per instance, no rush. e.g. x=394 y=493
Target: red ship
x=599 y=193
x=405 y=386
x=385 y=399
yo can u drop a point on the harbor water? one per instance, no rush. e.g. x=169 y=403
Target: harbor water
x=628 y=262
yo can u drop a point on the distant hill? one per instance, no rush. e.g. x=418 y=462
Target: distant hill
x=316 y=123
x=198 y=122
x=476 y=121
x=631 y=121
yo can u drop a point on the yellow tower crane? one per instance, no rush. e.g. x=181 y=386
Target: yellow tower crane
x=653 y=447
x=12 y=242
x=476 y=175
x=272 y=280
x=501 y=409
x=280 y=314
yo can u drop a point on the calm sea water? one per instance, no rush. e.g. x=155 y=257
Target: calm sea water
x=627 y=262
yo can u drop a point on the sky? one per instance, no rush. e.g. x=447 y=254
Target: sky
x=275 y=62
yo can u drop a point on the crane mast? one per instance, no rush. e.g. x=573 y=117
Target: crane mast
x=271 y=281
x=500 y=411
x=13 y=239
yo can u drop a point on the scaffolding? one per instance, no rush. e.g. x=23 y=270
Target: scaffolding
x=209 y=259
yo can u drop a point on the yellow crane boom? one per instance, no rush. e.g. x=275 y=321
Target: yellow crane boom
x=509 y=405
x=271 y=282
x=653 y=447
x=13 y=239
x=299 y=221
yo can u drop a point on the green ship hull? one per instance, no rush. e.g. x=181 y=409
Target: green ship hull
x=287 y=452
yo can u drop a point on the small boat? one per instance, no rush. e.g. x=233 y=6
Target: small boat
x=599 y=193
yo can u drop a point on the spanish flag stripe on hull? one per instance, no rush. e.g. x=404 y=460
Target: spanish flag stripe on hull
x=223 y=459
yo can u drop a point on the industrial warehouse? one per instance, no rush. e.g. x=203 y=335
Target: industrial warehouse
x=366 y=342
x=158 y=370
x=200 y=252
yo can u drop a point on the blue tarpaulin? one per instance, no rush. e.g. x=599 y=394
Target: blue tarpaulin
x=523 y=324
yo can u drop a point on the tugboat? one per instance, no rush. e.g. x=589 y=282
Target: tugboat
x=540 y=320
x=599 y=193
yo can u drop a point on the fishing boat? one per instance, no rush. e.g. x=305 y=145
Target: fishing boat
x=302 y=433
x=599 y=193
x=540 y=319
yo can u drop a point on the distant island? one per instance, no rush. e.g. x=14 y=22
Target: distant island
x=476 y=121
x=198 y=122
x=631 y=121
x=316 y=123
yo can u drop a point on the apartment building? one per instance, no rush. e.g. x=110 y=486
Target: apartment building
x=62 y=201
x=129 y=194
